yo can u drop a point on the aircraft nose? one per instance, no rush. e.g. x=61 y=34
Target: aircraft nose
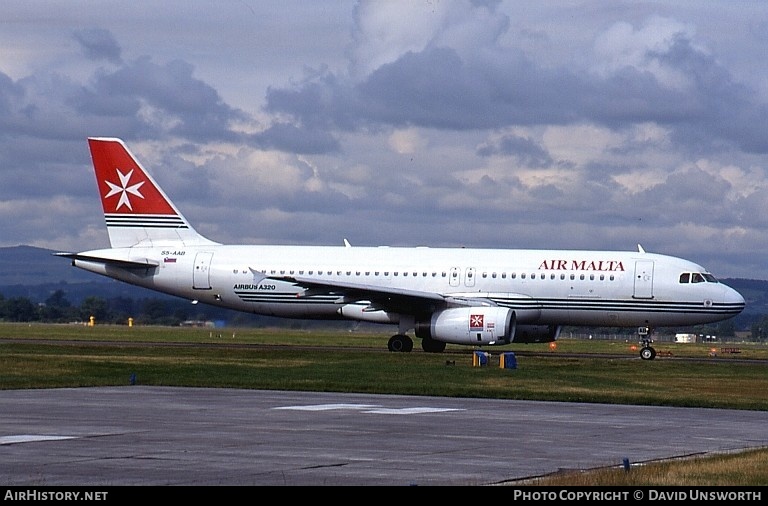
x=733 y=300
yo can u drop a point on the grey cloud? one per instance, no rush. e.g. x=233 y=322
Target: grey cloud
x=321 y=101
x=693 y=196
x=753 y=211
x=198 y=110
x=548 y=193
x=713 y=105
x=290 y=138
x=10 y=92
x=99 y=44
x=526 y=150
x=38 y=106
x=491 y=4
x=429 y=88
x=435 y=88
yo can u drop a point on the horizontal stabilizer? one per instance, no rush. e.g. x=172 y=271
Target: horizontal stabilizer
x=125 y=264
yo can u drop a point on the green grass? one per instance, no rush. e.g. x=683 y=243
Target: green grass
x=358 y=362
x=52 y=356
x=744 y=469
x=618 y=381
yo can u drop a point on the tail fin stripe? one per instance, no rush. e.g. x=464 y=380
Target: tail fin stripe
x=138 y=221
x=145 y=216
x=145 y=225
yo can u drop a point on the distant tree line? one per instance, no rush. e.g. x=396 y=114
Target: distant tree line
x=722 y=331
x=154 y=311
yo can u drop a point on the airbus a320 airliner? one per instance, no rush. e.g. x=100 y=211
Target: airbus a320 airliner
x=476 y=297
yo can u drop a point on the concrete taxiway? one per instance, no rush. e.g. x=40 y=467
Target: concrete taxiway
x=140 y=435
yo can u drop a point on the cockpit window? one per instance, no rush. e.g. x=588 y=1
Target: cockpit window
x=697 y=277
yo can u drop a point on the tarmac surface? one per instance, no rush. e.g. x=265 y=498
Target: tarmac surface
x=169 y=436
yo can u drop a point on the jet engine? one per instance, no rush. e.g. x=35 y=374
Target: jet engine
x=469 y=325
x=486 y=325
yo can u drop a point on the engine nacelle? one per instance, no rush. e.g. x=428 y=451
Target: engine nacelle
x=469 y=325
x=362 y=312
x=536 y=333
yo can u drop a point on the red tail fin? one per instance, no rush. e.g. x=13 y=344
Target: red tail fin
x=124 y=186
x=136 y=210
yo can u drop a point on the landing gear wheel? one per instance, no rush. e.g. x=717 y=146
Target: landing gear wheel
x=432 y=346
x=400 y=342
x=646 y=351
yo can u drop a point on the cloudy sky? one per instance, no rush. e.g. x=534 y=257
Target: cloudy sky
x=512 y=124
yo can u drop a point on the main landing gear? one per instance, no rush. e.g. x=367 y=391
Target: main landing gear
x=647 y=352
x=400 y=342
x=403 y=343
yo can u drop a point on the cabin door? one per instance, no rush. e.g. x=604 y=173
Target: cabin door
x=455 y=277
x=643 y=279
x=469 y=277
x=201 y=276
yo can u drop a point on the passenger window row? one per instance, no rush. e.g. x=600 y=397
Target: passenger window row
x=454 y=274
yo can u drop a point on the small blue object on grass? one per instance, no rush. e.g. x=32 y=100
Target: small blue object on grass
x=508 y=360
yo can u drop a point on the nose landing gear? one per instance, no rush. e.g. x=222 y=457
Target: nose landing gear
x=647 y=352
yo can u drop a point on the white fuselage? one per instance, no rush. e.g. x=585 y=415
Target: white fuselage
x=544 y=287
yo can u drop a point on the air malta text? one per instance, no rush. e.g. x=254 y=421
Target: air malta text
x=582 y=265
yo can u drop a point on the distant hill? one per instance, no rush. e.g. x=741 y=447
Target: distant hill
x=27 y=265
x=755 y=293
x=35 y=273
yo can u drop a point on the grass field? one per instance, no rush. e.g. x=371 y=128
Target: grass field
x=50 y=356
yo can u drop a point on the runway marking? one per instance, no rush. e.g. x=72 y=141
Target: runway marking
x=411 y=411
x=329 y=407
x=369 y=408
x=29 y=438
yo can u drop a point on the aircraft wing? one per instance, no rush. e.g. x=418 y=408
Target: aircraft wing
x=125 y=264
x=388 y=299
